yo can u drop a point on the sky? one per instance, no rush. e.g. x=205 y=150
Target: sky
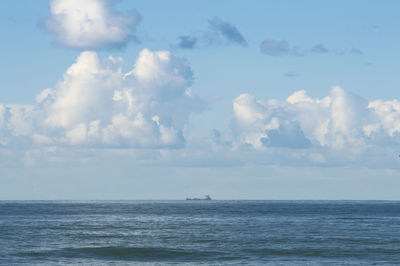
x=103 y=99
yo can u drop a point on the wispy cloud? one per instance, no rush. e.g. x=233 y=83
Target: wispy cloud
x=320 y=49
x=187 y=42
x=274 y=48
x=227 y=31
x=219 y=33
x=356 y=51
x=283 y=48
x=290 y=74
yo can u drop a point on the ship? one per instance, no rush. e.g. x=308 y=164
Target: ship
x=207 y=197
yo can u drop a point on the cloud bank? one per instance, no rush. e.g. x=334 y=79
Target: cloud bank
x=144 y=112
x=97 y=105
x=90 y=24
x=342 y=127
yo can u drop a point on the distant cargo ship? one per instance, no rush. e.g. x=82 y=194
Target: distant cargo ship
x=206 y=198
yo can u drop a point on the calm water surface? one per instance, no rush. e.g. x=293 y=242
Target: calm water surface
x=201 y=232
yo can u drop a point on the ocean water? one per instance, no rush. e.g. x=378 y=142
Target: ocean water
x=200 y=232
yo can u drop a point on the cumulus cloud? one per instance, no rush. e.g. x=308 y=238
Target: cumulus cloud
x=341 y=124
x=16 y=120
x=90 y=24
x=142 y=115
x=288 y=135
x=98 y=105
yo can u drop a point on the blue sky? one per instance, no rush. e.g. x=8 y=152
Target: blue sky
x=168 y=99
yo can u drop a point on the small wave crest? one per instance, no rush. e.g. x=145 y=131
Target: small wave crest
x=127 y=253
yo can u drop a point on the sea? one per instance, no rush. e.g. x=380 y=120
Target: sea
x=200 y=232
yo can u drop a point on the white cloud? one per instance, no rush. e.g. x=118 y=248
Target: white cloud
x=16 y=119
x=42 y=139
x=389 y=115
x=341 y=126
x=97 y=105
x=87 y=87
x=90 y=24
x=2 y=114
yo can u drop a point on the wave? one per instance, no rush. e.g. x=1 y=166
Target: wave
x=323 y=252
x=130 y=253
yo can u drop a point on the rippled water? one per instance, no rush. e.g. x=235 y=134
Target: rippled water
x=201 y=232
